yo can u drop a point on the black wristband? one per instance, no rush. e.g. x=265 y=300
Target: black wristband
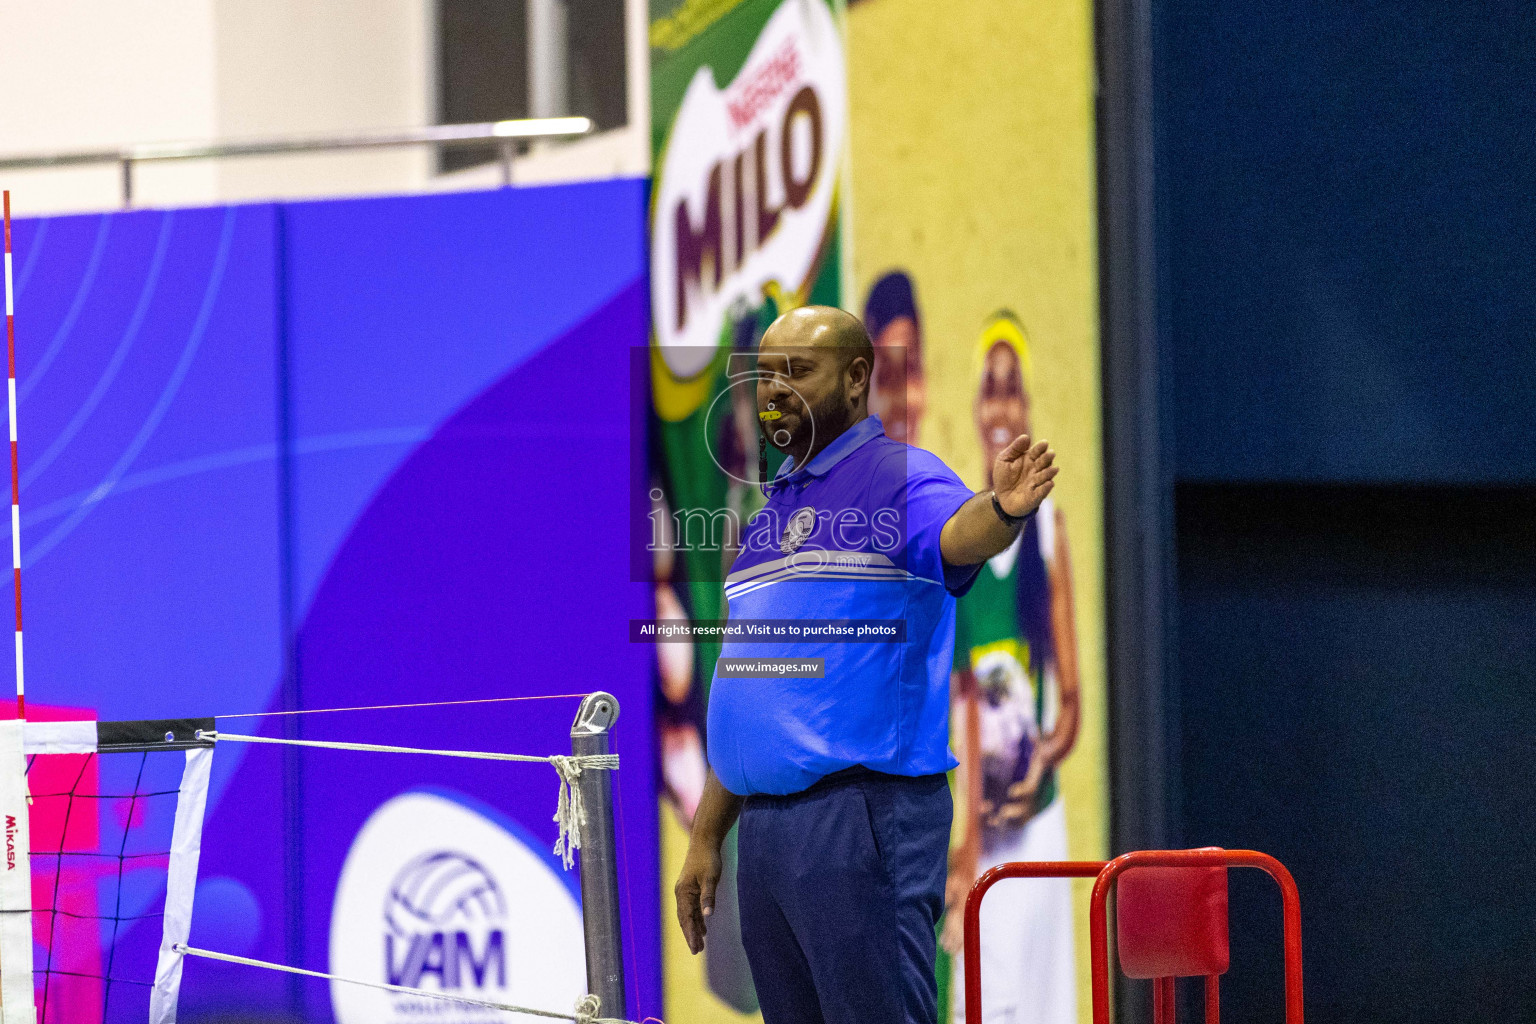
x=1012 y=522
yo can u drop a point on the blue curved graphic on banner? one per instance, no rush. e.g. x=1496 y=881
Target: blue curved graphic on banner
x=87 y=279
x=37 y=242
x=36 y=467
x=178 y=376
x=154 y=600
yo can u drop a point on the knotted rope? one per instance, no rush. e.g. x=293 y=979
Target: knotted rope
x=571 y=810
x=587 y=1008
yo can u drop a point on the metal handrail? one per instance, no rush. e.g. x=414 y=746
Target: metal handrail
x=505 y=133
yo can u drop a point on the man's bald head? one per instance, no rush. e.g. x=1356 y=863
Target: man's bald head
x=823 y=327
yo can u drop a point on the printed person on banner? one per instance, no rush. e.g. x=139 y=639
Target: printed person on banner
x=1016 y=712
x=898 y=392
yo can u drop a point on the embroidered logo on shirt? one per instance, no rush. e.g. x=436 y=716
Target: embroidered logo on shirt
x=801 y=525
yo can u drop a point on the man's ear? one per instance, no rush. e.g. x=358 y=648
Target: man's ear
x=857 y=378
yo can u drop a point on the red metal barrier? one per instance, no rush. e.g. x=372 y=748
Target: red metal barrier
x=1104 y=875
x=1016 y=869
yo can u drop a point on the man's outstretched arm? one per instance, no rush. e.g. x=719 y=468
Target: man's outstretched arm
x=695 y=889
x=1021 y=478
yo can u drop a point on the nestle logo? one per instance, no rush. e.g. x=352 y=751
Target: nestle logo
x=763 y=85
x=444 y=919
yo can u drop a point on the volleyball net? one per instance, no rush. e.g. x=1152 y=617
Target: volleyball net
x=103 y=827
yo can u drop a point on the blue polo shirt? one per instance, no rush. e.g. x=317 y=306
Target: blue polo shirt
x=852 y=535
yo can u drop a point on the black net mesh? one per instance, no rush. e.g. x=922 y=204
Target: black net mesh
x=101 y=827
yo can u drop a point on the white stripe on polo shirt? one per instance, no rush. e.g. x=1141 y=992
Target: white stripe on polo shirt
x=824 y=576
x=833 y=565
x=867 y=559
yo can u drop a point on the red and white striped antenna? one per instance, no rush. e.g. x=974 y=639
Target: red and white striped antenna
x=10 y=345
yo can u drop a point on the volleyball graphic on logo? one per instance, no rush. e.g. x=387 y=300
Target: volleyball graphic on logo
x=441 y=890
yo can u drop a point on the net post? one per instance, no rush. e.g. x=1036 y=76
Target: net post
x=16 y=999
x=599 y=861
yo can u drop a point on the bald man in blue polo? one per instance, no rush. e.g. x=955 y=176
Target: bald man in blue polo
x=838 y=778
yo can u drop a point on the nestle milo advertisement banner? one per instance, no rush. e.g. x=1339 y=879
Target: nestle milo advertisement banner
x=749 y=139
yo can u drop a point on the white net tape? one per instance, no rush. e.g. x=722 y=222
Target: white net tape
x=570 y=813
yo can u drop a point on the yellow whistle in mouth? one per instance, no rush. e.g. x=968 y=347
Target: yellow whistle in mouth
x=771 y=414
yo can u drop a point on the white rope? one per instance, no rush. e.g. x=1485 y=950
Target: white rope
x=376 y=748
x=570 y=810
x=588 y=1007
x=393 y=707
x=586 y=1011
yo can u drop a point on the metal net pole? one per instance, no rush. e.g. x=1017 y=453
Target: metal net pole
x=599 y=860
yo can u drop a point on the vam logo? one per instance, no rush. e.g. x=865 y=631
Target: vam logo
x=445 y=920
x=440 y=895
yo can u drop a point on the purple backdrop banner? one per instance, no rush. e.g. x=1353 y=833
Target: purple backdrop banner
x=322 y=455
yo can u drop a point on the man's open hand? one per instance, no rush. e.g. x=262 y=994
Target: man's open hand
x=1023 y=475
x=695 y=891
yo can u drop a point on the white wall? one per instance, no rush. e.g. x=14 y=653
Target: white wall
x=76 y=74
x=85 y=74
x=302 y=66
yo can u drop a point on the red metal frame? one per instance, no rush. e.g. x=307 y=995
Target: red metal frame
x=1016 y=869
x=1104 y=874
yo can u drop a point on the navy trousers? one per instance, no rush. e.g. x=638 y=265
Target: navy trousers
x=841 y=888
